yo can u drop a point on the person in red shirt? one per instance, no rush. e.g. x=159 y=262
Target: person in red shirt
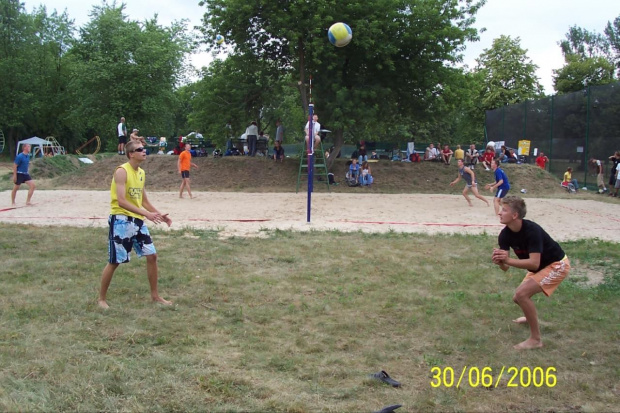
x=185 y=162
x=488 y=156
x=446 y=154
x=542 y=160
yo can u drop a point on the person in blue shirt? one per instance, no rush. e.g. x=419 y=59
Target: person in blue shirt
x=354 y=171
x=501 y=184
x=20 y=174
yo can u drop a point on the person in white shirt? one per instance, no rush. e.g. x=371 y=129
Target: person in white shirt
x=599 y=175
x=122 y=136
x=471 y=156
x=252 y=136
x=316 y=128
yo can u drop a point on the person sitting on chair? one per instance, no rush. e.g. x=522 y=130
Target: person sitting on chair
x=367 y=178
x=354 y=170
x=316 y=128
x=568 y=179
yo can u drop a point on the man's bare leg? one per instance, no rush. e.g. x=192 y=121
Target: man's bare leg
x=189 y=191
x=466 y=197
x=182 y=186
x=496 y=204
x=14 y=194
x=30 y=191
x=480 y=197
x=523 y=297
x=151 y=271
x=106 y=278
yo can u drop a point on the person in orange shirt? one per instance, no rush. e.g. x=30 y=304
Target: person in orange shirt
x=185 y=162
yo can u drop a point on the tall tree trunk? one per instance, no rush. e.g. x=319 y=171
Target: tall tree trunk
x=338 y=135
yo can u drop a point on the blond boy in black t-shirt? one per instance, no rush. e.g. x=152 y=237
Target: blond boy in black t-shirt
x=536 y=252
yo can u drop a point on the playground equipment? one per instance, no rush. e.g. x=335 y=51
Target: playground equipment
x=55 y=148
x=97 y=139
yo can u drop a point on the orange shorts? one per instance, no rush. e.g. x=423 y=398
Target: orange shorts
x=551 y=276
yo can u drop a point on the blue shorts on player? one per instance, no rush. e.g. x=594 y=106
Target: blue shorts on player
x=127 y=233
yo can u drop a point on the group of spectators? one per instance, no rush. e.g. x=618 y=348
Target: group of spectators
x=470 y=157
x=359 y=174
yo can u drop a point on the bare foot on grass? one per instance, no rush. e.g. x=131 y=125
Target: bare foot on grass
x=529 y=344
x=520 y=320
x=103 y=304
x=160 y=300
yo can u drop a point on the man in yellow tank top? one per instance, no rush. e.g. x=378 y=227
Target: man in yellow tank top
x=129 y=207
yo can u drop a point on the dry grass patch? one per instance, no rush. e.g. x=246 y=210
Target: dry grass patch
x=292 y=322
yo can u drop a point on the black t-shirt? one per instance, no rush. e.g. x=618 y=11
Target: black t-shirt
x=531 y=238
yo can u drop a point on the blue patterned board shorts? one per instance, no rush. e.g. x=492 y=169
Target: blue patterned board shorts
x=126 y=233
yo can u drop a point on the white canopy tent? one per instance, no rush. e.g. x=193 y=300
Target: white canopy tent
x=35 y=142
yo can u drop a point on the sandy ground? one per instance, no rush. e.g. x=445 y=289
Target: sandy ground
x=251 y=214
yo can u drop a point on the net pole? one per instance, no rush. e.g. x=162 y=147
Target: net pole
x=310 y=152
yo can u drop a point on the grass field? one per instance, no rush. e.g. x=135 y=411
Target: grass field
x=296 y=322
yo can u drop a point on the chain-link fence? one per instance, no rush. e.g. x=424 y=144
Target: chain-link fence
x=570 y=129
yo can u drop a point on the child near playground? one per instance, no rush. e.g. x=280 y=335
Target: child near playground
x=184 y=164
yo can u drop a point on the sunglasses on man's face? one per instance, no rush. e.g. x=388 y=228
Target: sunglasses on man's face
x=138 y=150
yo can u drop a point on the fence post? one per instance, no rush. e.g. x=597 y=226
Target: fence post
x=524 y=120
x=585 y=150
x=503 y=123
x=551 y=133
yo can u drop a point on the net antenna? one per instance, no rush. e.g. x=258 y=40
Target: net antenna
x=310 y=152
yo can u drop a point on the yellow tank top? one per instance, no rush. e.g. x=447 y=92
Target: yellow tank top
x=133 y=191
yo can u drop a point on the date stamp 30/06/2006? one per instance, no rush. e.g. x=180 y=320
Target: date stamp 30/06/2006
x=473 y=376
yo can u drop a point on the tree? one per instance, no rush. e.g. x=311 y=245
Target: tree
x=394 y=67
x=509 y=75
x=584 y=44
x=612 y=31
x=589 y=58
x=237 y=89
x=579 y=73
x=32 y=74
x=125 y=68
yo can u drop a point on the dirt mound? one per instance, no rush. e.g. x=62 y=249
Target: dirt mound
x=245 y=174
